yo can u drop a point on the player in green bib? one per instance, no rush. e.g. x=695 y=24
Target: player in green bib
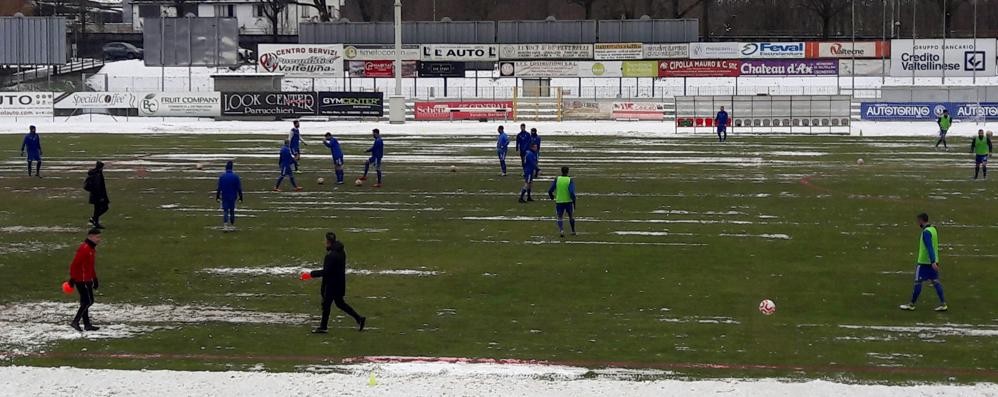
x=562 y=191
x=981 y=147
x=927 y=264
x=944 y=122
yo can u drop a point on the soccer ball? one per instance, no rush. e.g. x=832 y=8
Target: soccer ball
x=767 y=307
x=859 y=162
x=320 y=180
x=199 y=166
x=453 y=168
x=358 y=182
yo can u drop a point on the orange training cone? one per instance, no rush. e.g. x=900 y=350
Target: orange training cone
x=66 y=288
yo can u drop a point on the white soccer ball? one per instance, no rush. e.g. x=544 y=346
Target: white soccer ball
x=320 y=180
x=453 y=168
x=358 y=182
x=199 y=166
x=767 y=307
x=859 y=162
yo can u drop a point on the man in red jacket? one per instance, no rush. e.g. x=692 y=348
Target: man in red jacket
x=83 y=276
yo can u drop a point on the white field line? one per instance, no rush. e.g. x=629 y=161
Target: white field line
x=296 y=270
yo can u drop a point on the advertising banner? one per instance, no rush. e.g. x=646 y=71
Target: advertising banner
x=928 y=111
x=97 y=100
x=600 y=69
x=767 y=50
x=699 y=68
x=864 y=67
x=268 y=103
x=784 y=67
x=928 y=58
x=467 y=110
x=846 y=49
x=665 y=51
x=362 y=53
x=351 y=104
x=384 y=69
x=617 y=51
x=25 y=104
x=573 y=109
x=715 y=50
x=441 y=69
x=459 y=52
x=638 y=111
x=301 y=60
x=545 y=51
x=180 y=104
x=539 y=69
x=639 y=69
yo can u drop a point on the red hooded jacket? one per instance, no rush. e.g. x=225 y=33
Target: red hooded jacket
x=82 y=268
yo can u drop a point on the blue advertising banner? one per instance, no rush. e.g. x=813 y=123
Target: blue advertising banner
x=928 y=111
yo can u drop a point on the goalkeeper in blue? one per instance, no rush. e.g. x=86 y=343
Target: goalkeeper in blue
x=562 y=191
x=927 y=264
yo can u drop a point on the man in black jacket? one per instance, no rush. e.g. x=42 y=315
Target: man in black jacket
x=334 y=283
x=98 y=193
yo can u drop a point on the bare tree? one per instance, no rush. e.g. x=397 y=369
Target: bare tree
x=320 y=5
x=272 y=10
x=587 y=5
x=825 y=10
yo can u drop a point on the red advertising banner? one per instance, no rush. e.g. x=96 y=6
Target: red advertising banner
x=380 y=68
x=638 y=111
x=468 y=110
x=699 y=68
x=848 y=49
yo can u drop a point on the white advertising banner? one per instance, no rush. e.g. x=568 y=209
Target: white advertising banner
x=752 y=50
x=929 y=58
x=355 y=53
x=715 y=50
x=459 y=52
x=665 y=51
x=864 y=67
x=181 y=104
x=846 y=49
x=301 y=60
x=25 y=104
x=617 y=51
x=546 y=51
x=601 y=69
x=539 y=69
x=97 y=100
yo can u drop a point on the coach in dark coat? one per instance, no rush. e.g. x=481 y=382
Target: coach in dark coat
x=334 y=283
x=98 y=193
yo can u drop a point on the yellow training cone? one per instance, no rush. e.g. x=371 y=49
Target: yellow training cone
x=371 y=381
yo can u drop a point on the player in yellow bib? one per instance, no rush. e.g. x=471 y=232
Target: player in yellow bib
x=981 y=147
x=927 y=264
x=562 y=191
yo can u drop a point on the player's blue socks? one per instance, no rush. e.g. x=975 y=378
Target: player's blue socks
x=915 y=292
x=502 y=164
x=339 y=176
x=367 y=166
x=279 y=180
x=939 y=291
x=522 y=192
x=561 y=225
x=571 y=222
x=379 y=176
x=291 y=178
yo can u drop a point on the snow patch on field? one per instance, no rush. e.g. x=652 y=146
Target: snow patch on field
x=29 y=326
x=39 y=229
x=29 y=247
x=932 y=331
x=771 y=236
x=296 y=270
x=425 y=379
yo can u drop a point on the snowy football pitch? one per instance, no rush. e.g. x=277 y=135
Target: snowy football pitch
x=679 y=239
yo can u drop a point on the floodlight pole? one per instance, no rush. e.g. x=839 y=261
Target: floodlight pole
x=396 y=103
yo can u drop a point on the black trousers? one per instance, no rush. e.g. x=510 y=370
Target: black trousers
x=86 y=290
x=99 y=209
x=327 y=304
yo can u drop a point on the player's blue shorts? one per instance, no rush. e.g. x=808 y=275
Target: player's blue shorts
x=528 y=176
x=296 y=150
x=375 y=162
x=287 y=170
x=338 y=161
x=722 y=128
x=981 y=158
x=228 y=204
x=942 y=133
x=562 y=208
x=925 y=272
x=34 y=156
